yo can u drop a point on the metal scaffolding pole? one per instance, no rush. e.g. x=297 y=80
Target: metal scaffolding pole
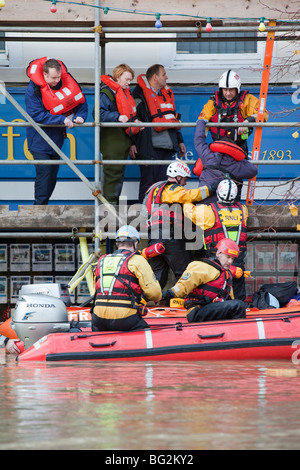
x=97 y=118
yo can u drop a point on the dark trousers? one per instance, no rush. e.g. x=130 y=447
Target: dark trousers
x=151 y=174
x=227 y=310
x=175 y=257
x=131 y=323
x=46 y=177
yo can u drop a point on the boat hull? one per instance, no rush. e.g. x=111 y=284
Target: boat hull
x=265 y=337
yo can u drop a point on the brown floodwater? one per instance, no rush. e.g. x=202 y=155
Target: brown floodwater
x=150 y=406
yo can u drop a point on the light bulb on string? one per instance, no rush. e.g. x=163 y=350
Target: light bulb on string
x=262 y=26
x=53 y=8
x=208 y=26
x=158 y=23
x=2 y=3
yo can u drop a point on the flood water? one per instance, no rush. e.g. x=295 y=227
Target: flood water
x=149 y=406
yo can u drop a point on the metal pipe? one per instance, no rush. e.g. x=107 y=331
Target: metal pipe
x=161 y=124
x=132 y=162
x=97 y=117
x=274 y=235
x=132 y=30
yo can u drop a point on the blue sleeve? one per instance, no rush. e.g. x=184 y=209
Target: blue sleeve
x=81 y=110
x=108 y=111
x=201 y=146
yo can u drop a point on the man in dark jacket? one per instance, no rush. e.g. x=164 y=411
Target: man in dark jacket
x=218 y=165
x=46 y=175
x=153 y=144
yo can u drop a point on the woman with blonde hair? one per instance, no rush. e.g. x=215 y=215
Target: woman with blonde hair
x=116 y=105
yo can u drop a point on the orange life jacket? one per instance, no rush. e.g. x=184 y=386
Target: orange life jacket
x=61 y=101
x=161 y=107
x=217 y=290
x=125 y=102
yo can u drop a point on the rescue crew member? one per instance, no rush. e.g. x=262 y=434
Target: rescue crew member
x=52 y=97
x=231 y=104
x=155 y=103
x=207 y=287
x=122 y=278
x=116 y=105
x=163 y=203
x=220 y=159
x=224 y=219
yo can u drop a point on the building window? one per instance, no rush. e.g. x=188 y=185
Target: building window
x=224 y=49
x=2 y=43
x=228 y=46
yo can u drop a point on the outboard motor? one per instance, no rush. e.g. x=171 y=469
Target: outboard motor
x=56 y=289
x=38 y=315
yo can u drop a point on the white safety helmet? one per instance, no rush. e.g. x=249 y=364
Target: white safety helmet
x=230 y=79
x=227 y=191
x=127 y=233
x=178 y=168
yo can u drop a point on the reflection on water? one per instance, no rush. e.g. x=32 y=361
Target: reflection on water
x=158 y=406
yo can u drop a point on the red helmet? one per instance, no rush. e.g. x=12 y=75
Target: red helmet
x=228 y=247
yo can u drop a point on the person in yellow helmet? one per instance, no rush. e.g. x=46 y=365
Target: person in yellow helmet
x=207 y=287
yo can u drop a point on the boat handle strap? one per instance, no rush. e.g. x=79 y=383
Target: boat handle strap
x=220 y=335
x=102 y=345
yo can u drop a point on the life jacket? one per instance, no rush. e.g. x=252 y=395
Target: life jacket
x=159 y=213
x=114 y=281
x=227 y=112
x=124 y=101
x=213 y=291
x=161 y=107
x=229 y=223
x=229 y=148
x=62 y=100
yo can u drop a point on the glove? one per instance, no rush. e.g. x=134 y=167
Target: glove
x=238 y=272
x=212 y=188
x=168 y=295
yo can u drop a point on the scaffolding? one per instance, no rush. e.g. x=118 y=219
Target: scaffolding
x=97 y=34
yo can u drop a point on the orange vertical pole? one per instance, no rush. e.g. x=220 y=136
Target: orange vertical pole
x=262 y=107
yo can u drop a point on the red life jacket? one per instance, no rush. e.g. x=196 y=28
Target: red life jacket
x=61 y=101
x=114 y=281
x=124 y=101
x=160 y=213
x=227 y=112
x=237 y=232
x=217 y=290
x=161 y=107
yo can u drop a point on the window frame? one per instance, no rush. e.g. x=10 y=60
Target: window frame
x=215 y=61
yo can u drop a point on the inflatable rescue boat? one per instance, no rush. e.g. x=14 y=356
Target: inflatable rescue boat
x=270 y=335
x=51 y=331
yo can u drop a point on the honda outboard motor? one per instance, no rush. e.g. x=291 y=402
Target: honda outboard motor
x=57 y=290
x=38 y=315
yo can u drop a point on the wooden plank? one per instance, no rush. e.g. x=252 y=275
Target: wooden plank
x=29 y=12
x=55 y=218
